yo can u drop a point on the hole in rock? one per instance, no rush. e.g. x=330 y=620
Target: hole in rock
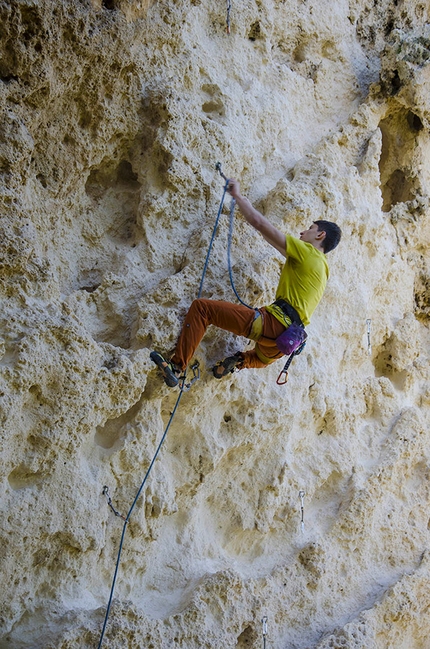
x=389 y=27
x=115 y=429
x=255 y=31
x=215 y=103
x=422 y=297
x=213 y=107
x=115 y=194
x=109 y=4
x=329 y=50
x=414 y=121
x=4 y=165
x=104 y=178
x=395 y=82
x=385 y=366
x=22 y=477
x=41 y=178
x=247 y=638
x=89 y=289
x=90 y=279
x=36 y=391
x=397 y=189
x=299 y=54
x=399 y=137
x=6 y=77
x=126 y=174
x=31 y=23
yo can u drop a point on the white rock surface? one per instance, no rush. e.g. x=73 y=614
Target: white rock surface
x=114 y=113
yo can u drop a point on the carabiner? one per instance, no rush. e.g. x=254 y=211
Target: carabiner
x=184 y=387
x=285 y=381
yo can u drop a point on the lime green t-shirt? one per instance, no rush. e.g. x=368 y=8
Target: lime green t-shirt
x=303 y=280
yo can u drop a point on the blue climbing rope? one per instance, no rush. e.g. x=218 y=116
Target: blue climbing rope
x=213 y=232
x=230 y=233
x=124 y=528
x=230 y=270
x=182 y=388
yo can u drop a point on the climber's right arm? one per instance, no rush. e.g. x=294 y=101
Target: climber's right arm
x=275 y=237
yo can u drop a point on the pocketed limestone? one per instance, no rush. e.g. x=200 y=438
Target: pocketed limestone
x=114 y=114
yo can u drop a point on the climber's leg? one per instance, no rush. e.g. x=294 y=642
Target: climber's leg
x=235 y=318
x=265 y=351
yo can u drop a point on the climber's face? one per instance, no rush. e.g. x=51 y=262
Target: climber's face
x=312 y=235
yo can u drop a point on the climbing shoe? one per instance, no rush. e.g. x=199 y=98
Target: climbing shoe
x=227 y=366
x=171 y=372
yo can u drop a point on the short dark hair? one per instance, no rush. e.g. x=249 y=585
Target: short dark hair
x=333 y=234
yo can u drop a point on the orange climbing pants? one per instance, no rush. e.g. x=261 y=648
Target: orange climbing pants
x=232 y=317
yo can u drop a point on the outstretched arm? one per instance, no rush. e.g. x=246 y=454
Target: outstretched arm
x=272 y=235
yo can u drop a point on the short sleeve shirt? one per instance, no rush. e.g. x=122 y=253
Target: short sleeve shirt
x=303 y=279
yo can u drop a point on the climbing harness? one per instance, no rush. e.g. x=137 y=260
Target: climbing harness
x=369 y=346
x=302 y=510
x=183 y=386
x=264 y=623
x=293 y=340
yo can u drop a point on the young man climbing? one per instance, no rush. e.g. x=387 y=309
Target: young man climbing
x=301 y=286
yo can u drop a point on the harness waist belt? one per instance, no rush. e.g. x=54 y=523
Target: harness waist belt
x=289 y=311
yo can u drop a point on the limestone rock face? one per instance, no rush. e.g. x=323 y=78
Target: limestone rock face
x=113 y=116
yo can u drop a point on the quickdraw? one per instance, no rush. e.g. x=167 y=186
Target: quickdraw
x=105 y=492
x=228 y=16
x=184 y=387
x=369 y=344
x=284 y=371
x=302 y=509
x=264 y=623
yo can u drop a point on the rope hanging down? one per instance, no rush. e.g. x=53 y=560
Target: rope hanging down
x=124 y=528
x=183 y=387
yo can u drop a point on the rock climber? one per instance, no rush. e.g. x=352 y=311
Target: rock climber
x=300 y=288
